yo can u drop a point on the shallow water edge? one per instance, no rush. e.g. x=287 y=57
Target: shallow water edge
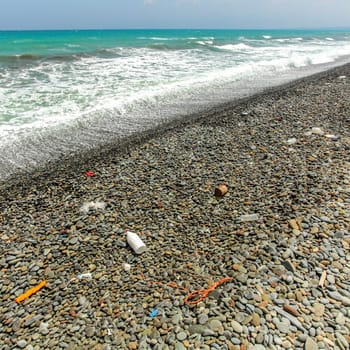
x=78 y=162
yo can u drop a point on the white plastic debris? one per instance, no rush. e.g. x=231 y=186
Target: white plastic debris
x=135 y=242
x=291 y=141
x=85 y=275
x=249 y=217
x=332 y=137
x=87 y=206
x=317 y=131
x=127 y=267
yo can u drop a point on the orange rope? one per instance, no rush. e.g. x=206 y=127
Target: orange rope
x=170 y=284
x=197 y=296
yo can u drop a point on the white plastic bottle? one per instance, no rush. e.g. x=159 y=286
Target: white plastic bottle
x=135 y=242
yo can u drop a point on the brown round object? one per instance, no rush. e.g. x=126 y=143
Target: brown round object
x=221 y=190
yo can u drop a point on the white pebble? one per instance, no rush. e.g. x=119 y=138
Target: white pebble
x=127 y=267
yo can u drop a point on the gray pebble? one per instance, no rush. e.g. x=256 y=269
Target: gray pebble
x=73 y=240
x=90 y=331
x=208 y=332
x=22 y=343
x=237 y=327
x=312 y=332
x=203 y=318
x=179 y=346
x=181 y=336
x=260 y=338
x=197 y=329
x=235 y=341
x=283 y=327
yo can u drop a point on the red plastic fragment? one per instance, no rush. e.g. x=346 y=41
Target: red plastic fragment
x=89 y=173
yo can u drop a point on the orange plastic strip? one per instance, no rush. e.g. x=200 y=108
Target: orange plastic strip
x=29 y=292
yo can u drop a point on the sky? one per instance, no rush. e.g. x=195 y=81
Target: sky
x=127 y=14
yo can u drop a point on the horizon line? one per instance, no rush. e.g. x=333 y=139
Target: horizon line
x=175 y=28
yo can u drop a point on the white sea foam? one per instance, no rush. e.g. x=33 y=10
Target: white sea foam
x=233 y=47
x=158 y=38
x=207 y=42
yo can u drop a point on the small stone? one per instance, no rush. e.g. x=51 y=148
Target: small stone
x=82 y=301
x=181 y=336
x=310 y=344
x=283 y=327
x=290 y=309
x=46 y=251
x=235 y=341
x=236 y=326
x=22 y=343
x=260 y=338
x=215 y=325
x=90 y=331
x=256 y=319
x=132 y=345
x=196 y=329
x=73 y=240
x=203 y=318
x=43 y=328
x=330 y=279
x=258 y=347
x=288 y=265
x=209 y=333
x=314 y=230
x=287 y=344
x=176 y=319
x=302 y=337
x=319 y=309
x=340 y=319
x=179 y=346
x=293 y=224
x=340 y=234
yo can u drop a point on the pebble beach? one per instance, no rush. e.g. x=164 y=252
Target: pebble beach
x=278 y=240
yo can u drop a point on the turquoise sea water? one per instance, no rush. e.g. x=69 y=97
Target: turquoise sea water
x=63 y=91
